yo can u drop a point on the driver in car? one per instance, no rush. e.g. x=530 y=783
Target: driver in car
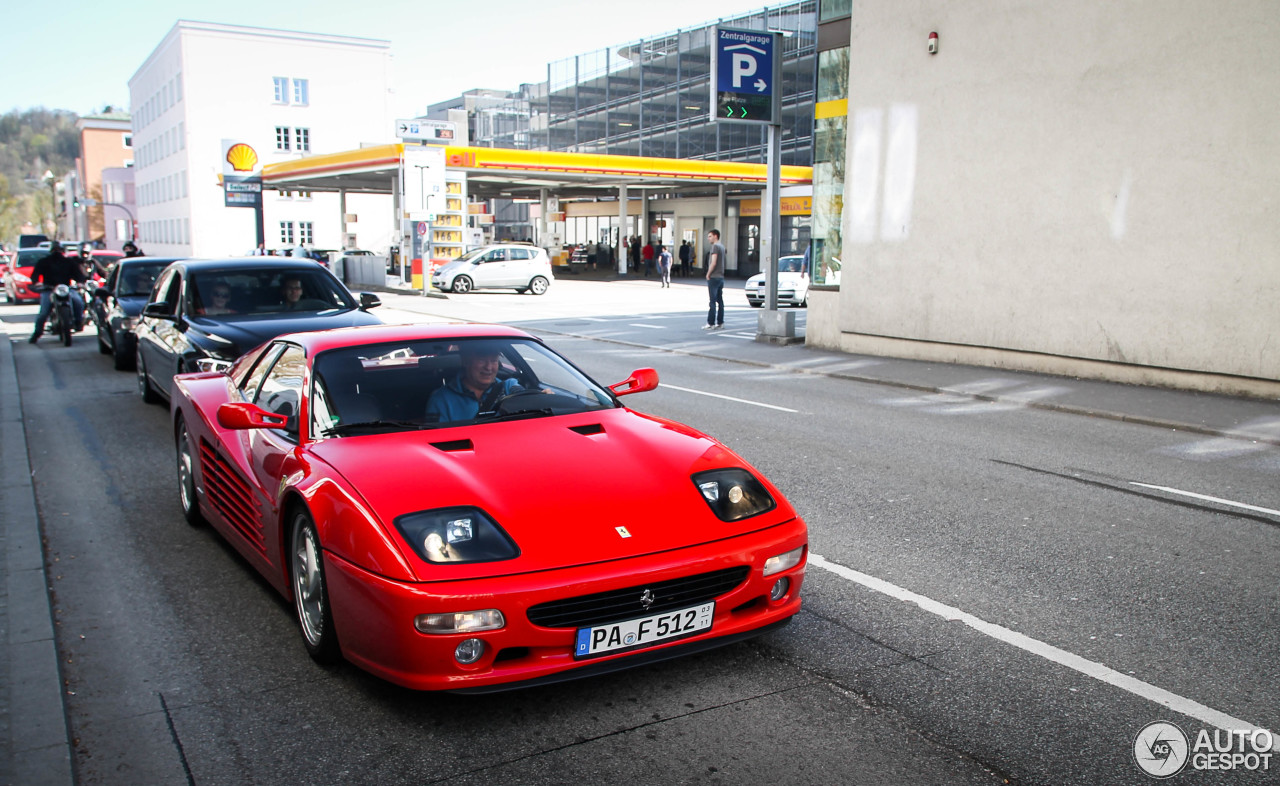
x=460 y=398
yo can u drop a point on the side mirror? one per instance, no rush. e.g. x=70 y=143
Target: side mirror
x=369 y=300
x=641 y=380
x=159 y=310
x=242 y=415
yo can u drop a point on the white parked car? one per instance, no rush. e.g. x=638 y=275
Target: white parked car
x=793 y=284
x=508 y=266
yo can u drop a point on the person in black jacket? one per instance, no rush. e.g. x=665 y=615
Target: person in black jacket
x=51 y=271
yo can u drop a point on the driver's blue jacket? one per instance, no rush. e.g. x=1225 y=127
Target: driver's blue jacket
x=452 y=402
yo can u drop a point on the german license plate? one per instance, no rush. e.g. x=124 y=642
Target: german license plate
x=643 y=632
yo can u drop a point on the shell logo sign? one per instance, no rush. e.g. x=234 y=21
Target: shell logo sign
x=242 y=158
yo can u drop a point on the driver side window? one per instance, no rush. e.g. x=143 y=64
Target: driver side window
x=281 y=389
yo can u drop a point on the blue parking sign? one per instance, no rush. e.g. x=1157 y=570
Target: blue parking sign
x=744 y=76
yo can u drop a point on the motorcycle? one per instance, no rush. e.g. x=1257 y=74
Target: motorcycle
x=62 y=320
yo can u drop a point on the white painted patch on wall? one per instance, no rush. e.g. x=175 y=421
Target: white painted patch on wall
x=899 y=172
x=864 y=176
x=1120 y=210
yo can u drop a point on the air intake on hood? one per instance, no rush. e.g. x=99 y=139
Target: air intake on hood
x=454 y=446
x=586 y=431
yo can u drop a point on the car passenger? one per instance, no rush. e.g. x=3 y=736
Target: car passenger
x=219 y=301
x=460 y=398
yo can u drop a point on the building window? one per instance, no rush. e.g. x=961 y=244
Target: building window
x=306 y=236
x=122 y=229
x=126 y=140
x=286 y=232
x=302 y=136
x=182 y=136
x=282 y=138
x=281 y=89
x=300 y=92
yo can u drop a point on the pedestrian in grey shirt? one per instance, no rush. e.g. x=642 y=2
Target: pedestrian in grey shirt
x=715 y=261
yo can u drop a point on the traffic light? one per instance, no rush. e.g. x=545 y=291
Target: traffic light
x=75 y=202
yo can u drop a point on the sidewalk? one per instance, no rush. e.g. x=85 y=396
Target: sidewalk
x=32 y=719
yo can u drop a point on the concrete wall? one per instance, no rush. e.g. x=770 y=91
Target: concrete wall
x=1091 y=182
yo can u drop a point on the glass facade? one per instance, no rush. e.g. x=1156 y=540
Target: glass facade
x=652 y=98
x=829 y=129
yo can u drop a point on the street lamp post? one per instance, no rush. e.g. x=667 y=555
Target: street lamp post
x=128 y=212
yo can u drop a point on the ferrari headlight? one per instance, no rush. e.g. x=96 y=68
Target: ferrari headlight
x=456 y=535
x=733 y=493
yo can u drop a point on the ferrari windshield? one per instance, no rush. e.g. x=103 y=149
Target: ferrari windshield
x=444 y=383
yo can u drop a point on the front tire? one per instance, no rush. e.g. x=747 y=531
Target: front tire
x=187 y=476
x=148 y=393
x=462 y=285
x=539 y=285
x=124 y=360
x=311 y=592
x=64 y=327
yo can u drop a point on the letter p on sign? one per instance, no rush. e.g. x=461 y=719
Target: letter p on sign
x=743 y=65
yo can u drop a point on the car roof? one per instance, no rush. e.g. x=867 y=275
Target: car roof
x=338 y=338
x=250 y=263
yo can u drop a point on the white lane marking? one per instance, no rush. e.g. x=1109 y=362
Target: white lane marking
x=1207 y=498
x=726 y=398
x=651 y=327
x=1049 y=652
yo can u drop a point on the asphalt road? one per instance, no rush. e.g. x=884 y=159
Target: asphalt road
x=992 y=597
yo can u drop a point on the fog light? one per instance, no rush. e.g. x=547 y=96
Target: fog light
x=469 y=651
x=780 y=588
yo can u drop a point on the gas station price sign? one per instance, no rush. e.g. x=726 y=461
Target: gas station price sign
x=745 y=70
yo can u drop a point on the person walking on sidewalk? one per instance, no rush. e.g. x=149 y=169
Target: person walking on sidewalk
x=715 y=262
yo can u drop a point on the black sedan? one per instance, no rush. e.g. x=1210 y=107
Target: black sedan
x=205 y=313
x=117 y=304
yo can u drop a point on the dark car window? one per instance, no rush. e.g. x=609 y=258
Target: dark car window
x=168 y=290
x=262 y=290
x=281 y=389
x=137 y=279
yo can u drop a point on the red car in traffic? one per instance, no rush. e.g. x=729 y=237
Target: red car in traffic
x=538 y=533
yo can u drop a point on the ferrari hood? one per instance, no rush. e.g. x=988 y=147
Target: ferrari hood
x=569 y=490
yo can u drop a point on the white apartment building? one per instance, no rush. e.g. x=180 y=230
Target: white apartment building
x=287 y=95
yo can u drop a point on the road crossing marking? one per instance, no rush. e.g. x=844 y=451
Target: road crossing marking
x=1049 y=652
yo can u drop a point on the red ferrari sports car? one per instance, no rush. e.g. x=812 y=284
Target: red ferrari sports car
x=458 y=507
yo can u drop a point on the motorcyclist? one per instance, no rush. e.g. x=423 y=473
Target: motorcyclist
x=130 y=249
x=51 y=271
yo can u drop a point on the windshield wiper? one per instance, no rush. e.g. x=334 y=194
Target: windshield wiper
x=494 y=417
x=344 y=428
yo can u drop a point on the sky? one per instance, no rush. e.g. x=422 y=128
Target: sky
x=79 y=55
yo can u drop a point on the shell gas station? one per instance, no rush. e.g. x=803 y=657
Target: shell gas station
x=441 y=195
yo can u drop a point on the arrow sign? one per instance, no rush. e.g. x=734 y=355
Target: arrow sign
x=745 y=66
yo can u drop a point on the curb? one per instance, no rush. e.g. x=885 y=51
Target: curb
x=38 y=736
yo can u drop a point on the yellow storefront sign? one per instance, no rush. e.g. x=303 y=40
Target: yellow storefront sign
x=790 y=206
